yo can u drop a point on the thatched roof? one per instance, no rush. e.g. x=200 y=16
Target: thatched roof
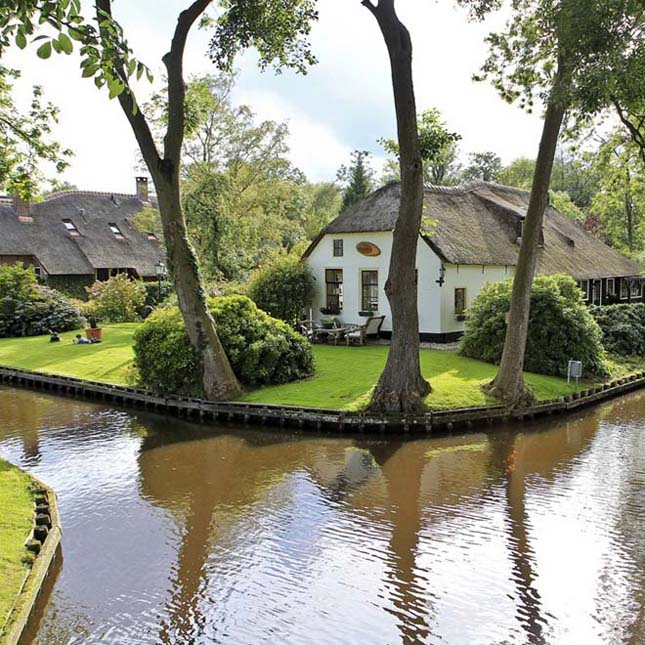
x=480 y=223
x=96 y=247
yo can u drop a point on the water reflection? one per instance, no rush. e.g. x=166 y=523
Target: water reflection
x=174 y=534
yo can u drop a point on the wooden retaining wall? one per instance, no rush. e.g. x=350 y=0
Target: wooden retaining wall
x=312 y=418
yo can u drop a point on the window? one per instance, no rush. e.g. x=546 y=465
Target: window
x=71 y=229
x=637 y=288
x=624 y=288
x=369 y=290
x=584 y=285
x=38 y=272
x=116 y=230
x=611 y=287
x=460 y=301
x=334 y=287
x=338 y=248
x=151 y=236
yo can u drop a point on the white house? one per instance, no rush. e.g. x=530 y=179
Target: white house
x=470 y=237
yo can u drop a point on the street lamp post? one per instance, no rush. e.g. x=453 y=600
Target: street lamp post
x=160 y=270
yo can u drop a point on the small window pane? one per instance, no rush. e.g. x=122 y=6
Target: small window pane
x=334 y=290
x=611 y=287
x=369 y=290
x=338 y=248
x=115 y=229
x=624 y=288
x=460 y=301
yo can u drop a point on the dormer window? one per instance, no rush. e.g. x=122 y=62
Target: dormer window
x=117 y=231
x=71 y=228
x=152 y=236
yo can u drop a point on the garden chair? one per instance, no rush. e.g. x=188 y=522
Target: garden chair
x=309 y=328
x=358 y=333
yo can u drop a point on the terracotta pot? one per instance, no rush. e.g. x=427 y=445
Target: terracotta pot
x=93 y=333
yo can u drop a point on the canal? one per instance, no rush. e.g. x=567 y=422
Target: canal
x=179 y=533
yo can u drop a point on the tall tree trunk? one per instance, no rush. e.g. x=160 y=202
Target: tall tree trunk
x=401 y=387
x=218 y=379
x=509 y=383
x=629 y=210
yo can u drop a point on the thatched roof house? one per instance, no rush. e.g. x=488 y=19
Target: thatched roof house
x=470 y=236
x=79 y=236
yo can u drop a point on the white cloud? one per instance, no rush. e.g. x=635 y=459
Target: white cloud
x=344 y=103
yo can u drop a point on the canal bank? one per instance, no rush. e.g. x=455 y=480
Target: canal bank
x=340 y=421
x=30 y=533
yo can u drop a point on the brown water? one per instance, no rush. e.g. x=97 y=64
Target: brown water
x=175 y=533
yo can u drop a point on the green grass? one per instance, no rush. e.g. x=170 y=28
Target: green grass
x=345 y=376
x=16 y=519
x=343 y=380
x=107 y=361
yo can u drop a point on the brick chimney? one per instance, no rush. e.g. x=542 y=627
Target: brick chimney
x=142 y=188
x=22 y=208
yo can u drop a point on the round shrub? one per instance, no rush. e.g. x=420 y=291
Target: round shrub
x=623 y=327
x=284 y=289
x=29 y=309
x=261 y=349
x=119 y=299
x=560 y=328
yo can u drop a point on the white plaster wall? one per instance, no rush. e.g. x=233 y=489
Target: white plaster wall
x=352 y=263
x=472 y=278
x=436 y=304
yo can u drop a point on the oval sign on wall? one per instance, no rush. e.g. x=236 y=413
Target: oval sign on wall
x=369 y=249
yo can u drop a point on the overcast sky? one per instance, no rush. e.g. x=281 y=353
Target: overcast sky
x=345 y=102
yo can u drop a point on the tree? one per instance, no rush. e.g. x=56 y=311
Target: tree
x=439 y=148
x=564 y=52
x=277 y=30
x=357 y=178
x=620 y=203
x=519 y=173
x=401 y=387
x=25 y=139
x=483 y=166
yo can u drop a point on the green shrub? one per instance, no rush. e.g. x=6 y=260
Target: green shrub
x=29 y=309
x=261 y=349
x=623 y=327
x=119 y=299
x=560 y=328
x=284 y=289
x=156 y=294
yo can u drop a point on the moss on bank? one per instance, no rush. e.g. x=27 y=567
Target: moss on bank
x=16 y=523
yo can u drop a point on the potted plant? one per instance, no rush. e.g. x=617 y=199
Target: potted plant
x=367 y=314
x=461 y=316
x=330 y=311
x=93 y=332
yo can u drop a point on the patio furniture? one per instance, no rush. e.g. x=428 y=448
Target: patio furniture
x=315 y=332
x=308 y=329
x=359 y=333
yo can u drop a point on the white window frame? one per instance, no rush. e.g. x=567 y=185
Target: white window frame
x=624 y=285
x=611 y=291
x=586 y=289
x=378 y=287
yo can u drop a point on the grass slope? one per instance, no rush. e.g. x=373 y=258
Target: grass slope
x=345 y=376
x=107 y=361
x=16 y=518
x=343 y=380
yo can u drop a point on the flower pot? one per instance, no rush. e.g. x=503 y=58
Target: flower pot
x=93 y=333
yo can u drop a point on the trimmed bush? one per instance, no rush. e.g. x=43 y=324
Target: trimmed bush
x=623 y=328
x=284 y=289
x=29 y=309
x=560 y=328
x=117 y=300
x=261 y=349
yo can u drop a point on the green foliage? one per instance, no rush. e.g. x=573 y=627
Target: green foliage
x=620 y=202
x=261 y=349
x=73 y=286
x=25 y=139
x=438 y=150
x=156 y=294
x=284 y=289
x=28 y=309
x=623 y=328
x=484 y=166
x=560 y=327
x=357 y=179
x=119 y=299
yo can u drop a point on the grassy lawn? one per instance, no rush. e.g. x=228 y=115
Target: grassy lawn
x=16 y=518
x=107 y=361
x=343 y=380
x=345 y=376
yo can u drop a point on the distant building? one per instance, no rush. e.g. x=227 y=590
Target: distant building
x=73 y=238
x=470 y=237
